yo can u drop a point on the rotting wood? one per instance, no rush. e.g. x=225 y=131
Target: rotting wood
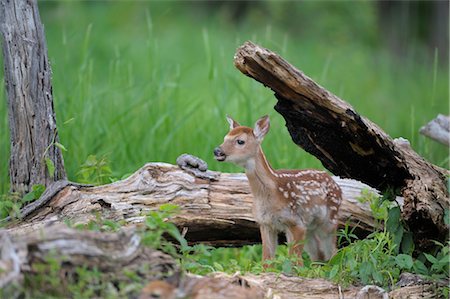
x=438 y=129
x=32 y=121
x=280 y=286
x=350 y=145
x=216 y=212
x=116 y=253
x=112 y=253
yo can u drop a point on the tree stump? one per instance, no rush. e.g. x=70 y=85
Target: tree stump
x=350 y=145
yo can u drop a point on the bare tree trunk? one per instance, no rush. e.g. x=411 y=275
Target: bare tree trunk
x=350 y=145
x=33 y=134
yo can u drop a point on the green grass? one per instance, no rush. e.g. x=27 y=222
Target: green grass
x=148 y=81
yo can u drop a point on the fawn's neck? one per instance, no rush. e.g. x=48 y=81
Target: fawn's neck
x=260 y=174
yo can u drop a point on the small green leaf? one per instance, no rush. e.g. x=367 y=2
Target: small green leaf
x=407 y=243
x=168 y=207
x=365 y=269
x=28 y=197
x=393 y=219
x=50 y=167
x=404 y=261
x=378 y=277
x=60 y=146
x=38 y=189
x=420 y=267
x=397 y=238
x=333 y=271
x=430 y=258
x=218 y=266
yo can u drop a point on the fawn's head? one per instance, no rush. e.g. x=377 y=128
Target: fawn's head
x=242 y=143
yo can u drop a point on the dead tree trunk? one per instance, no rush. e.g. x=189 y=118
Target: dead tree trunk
x=216 y=212
x=350 y=145
x=35 y=158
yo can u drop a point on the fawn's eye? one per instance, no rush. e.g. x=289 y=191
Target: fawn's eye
x=240 y=141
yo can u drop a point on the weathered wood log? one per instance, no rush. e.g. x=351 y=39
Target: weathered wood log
x=438 y=129
x=113 y=254
x=32 y=121
x=350 y=145
x=217 y=212
x=275 y=285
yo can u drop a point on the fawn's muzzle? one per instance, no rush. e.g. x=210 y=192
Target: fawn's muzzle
x=219 y=154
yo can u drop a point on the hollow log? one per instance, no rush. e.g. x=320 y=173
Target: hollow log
x=350 y=145
x=217 y=212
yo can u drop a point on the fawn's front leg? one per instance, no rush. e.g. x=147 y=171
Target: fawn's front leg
x=295 y=236
x=269 y=239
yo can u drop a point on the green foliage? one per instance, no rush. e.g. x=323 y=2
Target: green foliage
x=95 y=171
x=98 y=224
x=158 y=227
x=11 y=204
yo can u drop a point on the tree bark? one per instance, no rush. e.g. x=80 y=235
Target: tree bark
x=350 y=145
x=33 y=132
x=217 y=212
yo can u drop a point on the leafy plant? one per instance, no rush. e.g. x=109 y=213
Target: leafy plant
x=95 y=171
x=158 y=227
x=11 y=204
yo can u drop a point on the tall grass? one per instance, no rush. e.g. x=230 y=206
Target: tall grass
x=148 y=81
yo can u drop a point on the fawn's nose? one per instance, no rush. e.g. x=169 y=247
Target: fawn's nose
x=219 y=154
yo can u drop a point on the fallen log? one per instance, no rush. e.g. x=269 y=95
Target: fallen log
x=216 y=212
x=113 y=254
x=350 y=145
x=276 y=285
x=117 y=254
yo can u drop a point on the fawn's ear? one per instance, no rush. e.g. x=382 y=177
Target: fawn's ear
x=232 y=122
x=262 y=126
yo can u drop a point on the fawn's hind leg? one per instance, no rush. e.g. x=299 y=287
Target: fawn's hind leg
x=321 y=242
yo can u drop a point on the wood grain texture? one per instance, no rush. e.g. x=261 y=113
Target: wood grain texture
x=280 y=286
x=32 y=121
x=216 y=212
x=350 y=145
x=114 y=254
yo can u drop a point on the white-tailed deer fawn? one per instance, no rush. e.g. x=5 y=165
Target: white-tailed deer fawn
x=301 y=203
